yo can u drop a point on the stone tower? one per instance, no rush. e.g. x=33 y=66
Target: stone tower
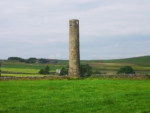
x=74 y=52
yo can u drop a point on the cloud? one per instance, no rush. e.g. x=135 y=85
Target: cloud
x=40 y=28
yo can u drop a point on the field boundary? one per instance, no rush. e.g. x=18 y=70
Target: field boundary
x=52 y=77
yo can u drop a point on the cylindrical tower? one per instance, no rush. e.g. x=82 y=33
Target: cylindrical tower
x=74 y=51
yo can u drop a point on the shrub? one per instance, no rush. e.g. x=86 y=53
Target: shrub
x=85 y=70
x=126 y=70
x=64 y=71
x=41 y=71
x=45 y=70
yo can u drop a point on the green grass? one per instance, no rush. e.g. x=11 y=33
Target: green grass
x=142 y=61
x=139 y=64
x=21 y=75
x=21 y=70
x=29 y=68
x=75 y=96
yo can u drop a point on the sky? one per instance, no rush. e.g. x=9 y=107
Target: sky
x=109 y=29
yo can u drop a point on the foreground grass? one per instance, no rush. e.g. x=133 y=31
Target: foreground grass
x=75 y=96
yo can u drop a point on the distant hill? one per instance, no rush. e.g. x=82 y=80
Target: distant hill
x=141 y=61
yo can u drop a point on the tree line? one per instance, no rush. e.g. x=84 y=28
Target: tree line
x=32 y=60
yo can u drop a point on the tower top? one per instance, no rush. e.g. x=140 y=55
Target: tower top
x=74 y=20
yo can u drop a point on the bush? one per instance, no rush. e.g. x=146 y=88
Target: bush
x=45 y=71
x=64 y=71
x=126 y=70
x=85 y=70
x=41 y=71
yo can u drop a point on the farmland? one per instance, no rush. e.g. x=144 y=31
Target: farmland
x=32 y=69
x=75 y=96
x=139 y=64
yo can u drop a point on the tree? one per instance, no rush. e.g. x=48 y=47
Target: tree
x=43 y=60
x=14 y=58
x=126 y=70
x=64 y=71
x=41 y=71
x=85 y=70
x=45 y=71
x=32 y=58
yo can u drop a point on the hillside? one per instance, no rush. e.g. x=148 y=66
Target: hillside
x=139 y=64
x=141 y=61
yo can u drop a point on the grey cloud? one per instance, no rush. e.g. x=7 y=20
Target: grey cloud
x=38 y=25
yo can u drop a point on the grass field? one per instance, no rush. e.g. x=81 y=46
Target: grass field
x=75 y=96
x=139 y=64
x=29 y=68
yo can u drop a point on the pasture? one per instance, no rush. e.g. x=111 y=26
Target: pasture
x=75 y=96
x=139 y=64
x=26 y=69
